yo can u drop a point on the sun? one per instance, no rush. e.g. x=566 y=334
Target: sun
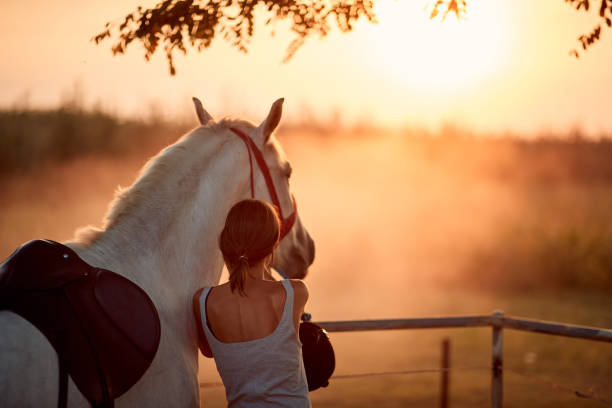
x=415 y=51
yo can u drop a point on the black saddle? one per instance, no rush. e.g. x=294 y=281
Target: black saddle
x=104 y=328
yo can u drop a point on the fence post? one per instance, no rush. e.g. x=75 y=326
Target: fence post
x=444 y=377
x=497 y=360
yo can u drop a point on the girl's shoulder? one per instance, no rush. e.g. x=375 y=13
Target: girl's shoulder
x=300 y=289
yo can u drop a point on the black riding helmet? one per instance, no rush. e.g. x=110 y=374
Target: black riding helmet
x=318 y=354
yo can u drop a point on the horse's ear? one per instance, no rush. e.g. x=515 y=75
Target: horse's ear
x=203 y=116
x=271 y=122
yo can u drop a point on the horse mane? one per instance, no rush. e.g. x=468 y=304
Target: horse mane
x=169 y=159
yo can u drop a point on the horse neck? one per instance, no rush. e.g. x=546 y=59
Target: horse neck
x=168 y=243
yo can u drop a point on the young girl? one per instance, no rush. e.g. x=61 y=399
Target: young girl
x=250 y=324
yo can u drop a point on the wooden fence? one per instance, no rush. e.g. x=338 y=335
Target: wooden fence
x=497 y=321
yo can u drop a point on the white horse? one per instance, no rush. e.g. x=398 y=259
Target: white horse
x=162 y=233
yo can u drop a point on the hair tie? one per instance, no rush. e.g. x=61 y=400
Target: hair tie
x=241 y=257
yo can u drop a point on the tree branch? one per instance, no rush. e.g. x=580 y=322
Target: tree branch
x=586 y=40
x=178 y=24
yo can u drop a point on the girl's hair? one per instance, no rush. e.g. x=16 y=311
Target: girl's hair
x=251 y=232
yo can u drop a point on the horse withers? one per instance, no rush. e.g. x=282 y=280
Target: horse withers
x=161 y=233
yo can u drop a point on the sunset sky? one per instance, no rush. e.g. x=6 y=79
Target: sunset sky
x=505 y=67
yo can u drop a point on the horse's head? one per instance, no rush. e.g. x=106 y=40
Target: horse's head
x=296 y=250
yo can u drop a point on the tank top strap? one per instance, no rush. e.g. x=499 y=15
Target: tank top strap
x=203 y=316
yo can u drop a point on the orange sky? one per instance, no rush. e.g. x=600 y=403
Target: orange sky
x=505 y=68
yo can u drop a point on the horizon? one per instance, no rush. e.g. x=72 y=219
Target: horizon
x=334 y=124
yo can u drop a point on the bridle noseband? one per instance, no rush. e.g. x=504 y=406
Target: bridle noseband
x=286 y=223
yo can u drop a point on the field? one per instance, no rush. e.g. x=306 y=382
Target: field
x=411 y=224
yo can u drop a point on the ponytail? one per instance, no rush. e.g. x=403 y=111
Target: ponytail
x=239 y=275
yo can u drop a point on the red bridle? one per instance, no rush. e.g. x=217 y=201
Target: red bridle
x=286 y=223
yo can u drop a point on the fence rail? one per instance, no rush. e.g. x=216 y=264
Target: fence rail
x=497 y=321
x=515 y=323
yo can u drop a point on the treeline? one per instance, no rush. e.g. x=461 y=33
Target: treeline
x=542 y=160
x=29 y=138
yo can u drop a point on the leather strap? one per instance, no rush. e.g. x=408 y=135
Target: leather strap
x=286 y=223
x=62 y=399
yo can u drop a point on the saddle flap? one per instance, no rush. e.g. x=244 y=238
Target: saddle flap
x=130 y=309
x=41 y=265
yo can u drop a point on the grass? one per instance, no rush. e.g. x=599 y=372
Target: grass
x=564 y=232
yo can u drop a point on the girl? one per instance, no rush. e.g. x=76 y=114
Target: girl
x=250 y=324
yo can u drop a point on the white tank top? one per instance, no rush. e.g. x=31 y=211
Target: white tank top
x=265 y=372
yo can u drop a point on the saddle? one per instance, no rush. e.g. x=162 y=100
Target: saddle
x=104 y=328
